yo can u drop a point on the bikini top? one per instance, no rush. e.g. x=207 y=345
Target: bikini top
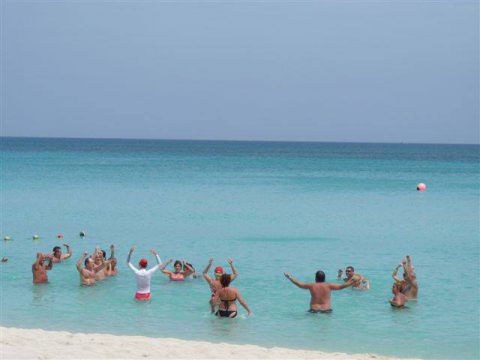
x=177 y=277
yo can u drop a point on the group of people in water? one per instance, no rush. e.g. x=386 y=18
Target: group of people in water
x=223 y=298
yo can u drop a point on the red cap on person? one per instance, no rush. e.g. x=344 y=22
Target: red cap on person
x=143 y=263
x=218 y=270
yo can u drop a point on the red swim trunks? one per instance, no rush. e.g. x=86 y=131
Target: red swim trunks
x=142 y=296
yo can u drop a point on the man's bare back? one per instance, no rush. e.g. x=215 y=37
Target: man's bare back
x=319 y=291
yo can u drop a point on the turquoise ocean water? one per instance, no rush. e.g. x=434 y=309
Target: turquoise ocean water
x=272 y=207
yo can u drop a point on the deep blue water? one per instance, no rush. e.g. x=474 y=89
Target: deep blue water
x=272 y=207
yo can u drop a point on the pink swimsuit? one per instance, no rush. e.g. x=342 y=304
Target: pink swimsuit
x=177 y=277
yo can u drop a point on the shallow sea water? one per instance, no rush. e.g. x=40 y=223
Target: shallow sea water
x=272 y=207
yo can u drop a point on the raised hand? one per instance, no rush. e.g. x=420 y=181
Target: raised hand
x=112 y=247
x=230 y=261
x=154 y=252
x=133 y=248
x=66 y=245
x=287 y=275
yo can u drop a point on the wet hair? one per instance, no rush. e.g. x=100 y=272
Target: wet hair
x=86 y=260
x=225 y=280
x=319 y=276
x=104 y=254
x=350 y=268
x=177 y=262
x=56 y=248
x=185 y=268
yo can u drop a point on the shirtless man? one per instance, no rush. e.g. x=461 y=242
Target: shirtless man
x=39 y=269
x=215 y=285
x=409 y=283
x=58 y=256
x=359 y=282
x=100 y=263
x=319 y=291
x=87 y=274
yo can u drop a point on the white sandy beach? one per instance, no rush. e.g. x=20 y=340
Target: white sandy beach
x=40 y=344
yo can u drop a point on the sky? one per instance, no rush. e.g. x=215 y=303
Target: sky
x=362 y=71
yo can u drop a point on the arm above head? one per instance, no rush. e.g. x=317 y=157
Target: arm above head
x=132 y=249
x=69 y=252
x=189 y=270
x=162 y=267
x=38 y=261
x=206 y=270
x=50 y=262
x=395 y=274
x=112 y=252
x=79 y=262
x=297 y=283
x=159 y=261
x=234 y=270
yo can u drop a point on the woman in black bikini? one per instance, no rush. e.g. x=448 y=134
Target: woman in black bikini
x=227 y=296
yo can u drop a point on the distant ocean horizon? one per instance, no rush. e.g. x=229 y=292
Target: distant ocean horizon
x=236 y=140
x=272 y=206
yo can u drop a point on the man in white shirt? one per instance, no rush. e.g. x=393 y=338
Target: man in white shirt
x=143 y=275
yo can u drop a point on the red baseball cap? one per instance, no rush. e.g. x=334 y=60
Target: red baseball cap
x=143 y=262
x=218 y=270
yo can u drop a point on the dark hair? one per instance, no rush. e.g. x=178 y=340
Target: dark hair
x=225 y=280
x=319 y=276
x=177 y=262
x=185 y=268
x=104 y=254
x=56 y=248
x=86 y=260
x=350 y=268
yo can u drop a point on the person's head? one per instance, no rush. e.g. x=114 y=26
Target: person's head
x=319 y=276
x=57 y=251
x=349 y=271
x=397 y=288
x=225 y=280
x=178 y=266
x=143 y=263
x=218 y=272
x=89 y=263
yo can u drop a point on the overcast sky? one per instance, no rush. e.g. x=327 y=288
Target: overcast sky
x=374 y=71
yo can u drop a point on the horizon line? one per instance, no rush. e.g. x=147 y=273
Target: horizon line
x=236 y=140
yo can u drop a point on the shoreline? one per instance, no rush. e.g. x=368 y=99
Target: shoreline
x=19 y=343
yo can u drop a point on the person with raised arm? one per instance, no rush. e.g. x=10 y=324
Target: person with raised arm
x=178 y=274
x=143 y=276
x=228 y=296
x=215 y=284
x=87 y=273
x=111 y=269
x=100 y=263
x=319 y=291
x=58 y=256
x=399 y=300
x=410 y=289
x=39 y=269
x=359 y=282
